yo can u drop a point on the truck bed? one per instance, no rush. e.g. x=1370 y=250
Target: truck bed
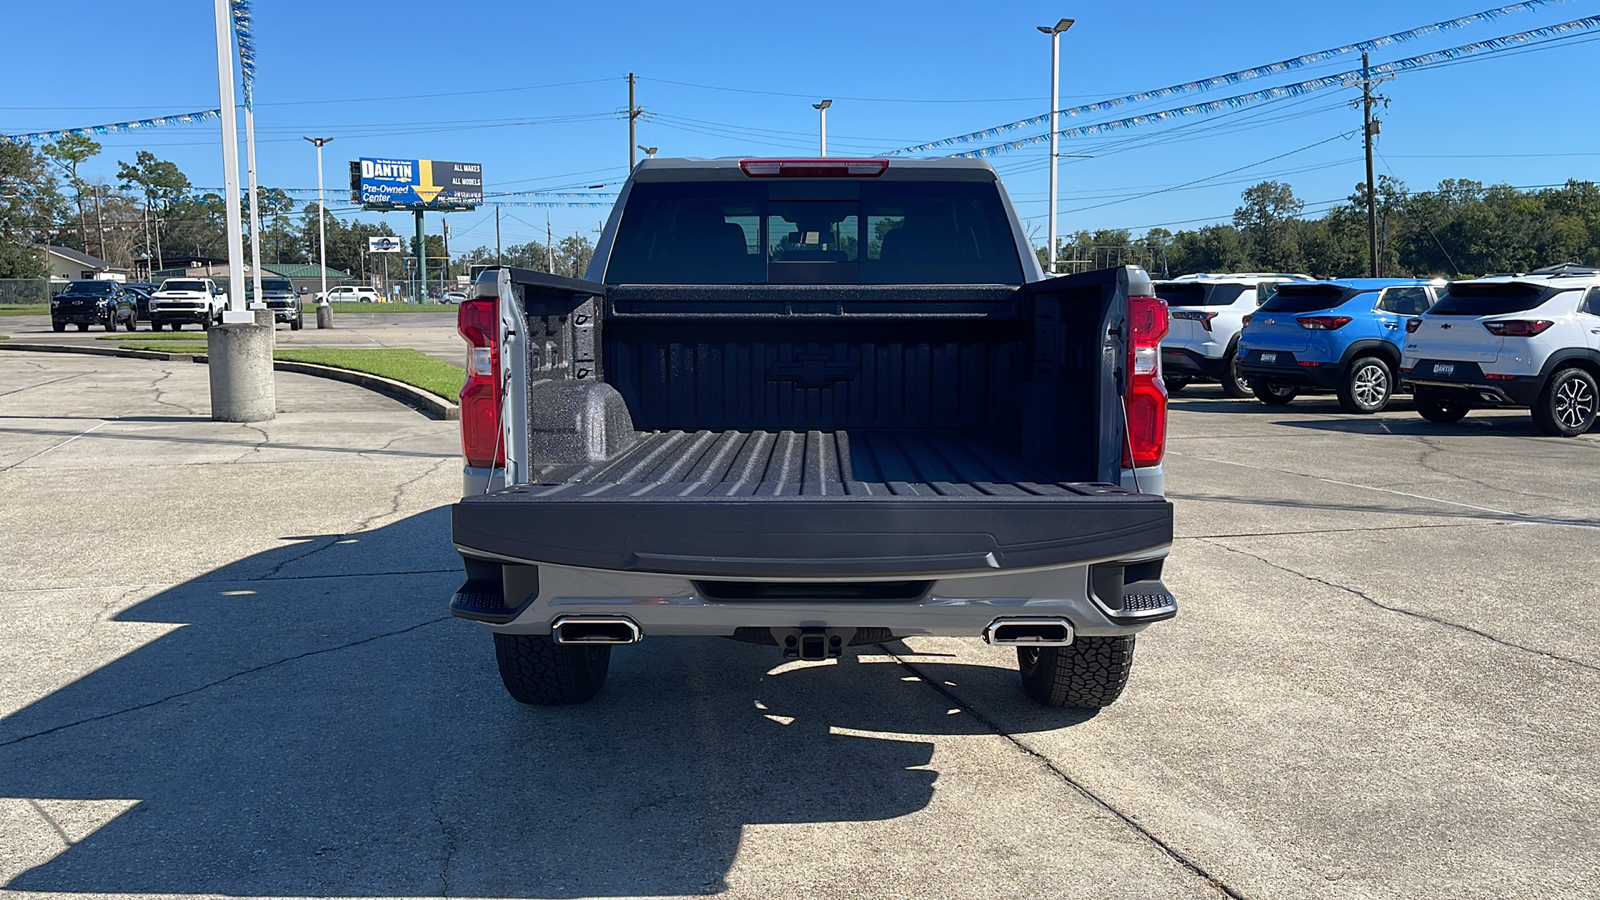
x=813 y=504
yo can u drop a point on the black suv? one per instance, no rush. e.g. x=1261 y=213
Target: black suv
x=86 y=303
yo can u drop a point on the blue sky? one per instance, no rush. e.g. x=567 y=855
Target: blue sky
x=721 y=79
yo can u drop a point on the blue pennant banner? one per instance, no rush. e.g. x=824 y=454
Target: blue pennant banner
x=1351 y=77
x=40 y=137
x=247 y=49
x=1206 y=84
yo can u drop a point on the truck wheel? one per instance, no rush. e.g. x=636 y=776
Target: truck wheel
x=1233 y=384
x=1087 y=674
x=1366 y=387
x=111 y=323
x=133 y=322
x=177 y=326
x=205 y=324
x=1566 y=406
x=298 y=322
x=538 y=671
x=154 y=325
x=1437 y=406
x=1274 y=394
x=1176 y=383
x=83 y=326
x=58 y=327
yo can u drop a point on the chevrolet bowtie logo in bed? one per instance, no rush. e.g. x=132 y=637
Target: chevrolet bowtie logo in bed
x=812 y=371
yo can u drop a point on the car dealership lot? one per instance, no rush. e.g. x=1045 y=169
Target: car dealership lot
x=225 y=668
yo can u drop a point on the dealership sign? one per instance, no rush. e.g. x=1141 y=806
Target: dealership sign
x=379 y=183
x=385 y=245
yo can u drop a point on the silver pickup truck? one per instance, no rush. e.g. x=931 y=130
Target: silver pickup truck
x=814 y=404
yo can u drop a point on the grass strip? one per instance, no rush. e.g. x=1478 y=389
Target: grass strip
x=191 y=336
x=408 y=366
x=26 y=309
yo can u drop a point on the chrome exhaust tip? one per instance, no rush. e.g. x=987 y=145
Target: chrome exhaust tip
x=596 y=630
x=1023 y=631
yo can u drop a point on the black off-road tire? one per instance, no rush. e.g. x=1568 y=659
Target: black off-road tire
x=1089 y=673
x=1440 y=407
x=1274 y=394
x=133 y=322
x=111 y=323
x=83 y=326
x=58 y=327
x=540 y=672
x=298 y=322
x=1567 y=405
x=176 y=326
x=1176 y=383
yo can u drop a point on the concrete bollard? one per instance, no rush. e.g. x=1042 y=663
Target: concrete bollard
x=324 y=315
x=264 y=316
x=242 y=387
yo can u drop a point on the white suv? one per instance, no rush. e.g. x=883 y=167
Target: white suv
x=1511 y=340
x=1207 y=315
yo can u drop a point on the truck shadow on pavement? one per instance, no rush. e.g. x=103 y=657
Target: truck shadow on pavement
x=317 y=727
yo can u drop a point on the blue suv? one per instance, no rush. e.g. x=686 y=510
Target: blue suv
x=1342 y=336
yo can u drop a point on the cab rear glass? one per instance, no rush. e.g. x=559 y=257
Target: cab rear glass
x=276 y=284
x=99 y=288
x=1298 y=298
x=1190 y=294
x=814 y=232
x=1488 y=299
x=183 y=286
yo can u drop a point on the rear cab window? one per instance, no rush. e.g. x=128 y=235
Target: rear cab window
x=183 y=286
x=814 y=232
x=100 y=288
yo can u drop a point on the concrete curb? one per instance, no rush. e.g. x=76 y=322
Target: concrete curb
x=415 y=397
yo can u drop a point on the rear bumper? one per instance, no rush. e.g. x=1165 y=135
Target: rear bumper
x=1468 y=379
x=77 y=318
x=531 y=599
x=1183 y=361
x=812 y=538
x=1289 y=369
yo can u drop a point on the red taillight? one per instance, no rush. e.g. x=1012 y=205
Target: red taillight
x=1412 y=325
x=1499 y=377
x=1518 y=327
x=1147 y=395
x=479 y=322
x=1248 y=317
x=1323 y=323
x=1204 y=318
x=814 y=168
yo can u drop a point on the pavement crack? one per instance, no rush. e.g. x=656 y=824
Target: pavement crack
x=1171 y=852
x=1252 y=534
x=1400 y=610
x=89 y=720
x=448 y=832
x=42 y=384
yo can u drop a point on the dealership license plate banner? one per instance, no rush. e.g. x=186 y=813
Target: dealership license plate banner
x=379 y=183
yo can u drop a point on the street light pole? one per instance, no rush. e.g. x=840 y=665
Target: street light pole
x=1055 y=31
x=324 y=311
x=230 y=156
x=822 y=108
x=649 y=152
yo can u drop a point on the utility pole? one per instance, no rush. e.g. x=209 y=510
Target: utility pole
x=549 y=245
x=1369 y=129
x=444 y=271
x=822 y=110
x=99 y=224
x=1055 y=31
x=499 y=258
x=422 y=262
x=633 y=118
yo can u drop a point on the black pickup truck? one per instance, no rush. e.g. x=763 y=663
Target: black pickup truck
x=814 y=404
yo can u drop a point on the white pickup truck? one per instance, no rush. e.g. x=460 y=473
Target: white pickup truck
x=187 y=301
x=814 y=404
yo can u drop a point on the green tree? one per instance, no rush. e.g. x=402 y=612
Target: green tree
x=71 y=151
x=1268 y=222
x=162 y=185
x=30 y=206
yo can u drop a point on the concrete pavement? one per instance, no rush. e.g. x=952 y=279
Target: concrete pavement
x=225 y=670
